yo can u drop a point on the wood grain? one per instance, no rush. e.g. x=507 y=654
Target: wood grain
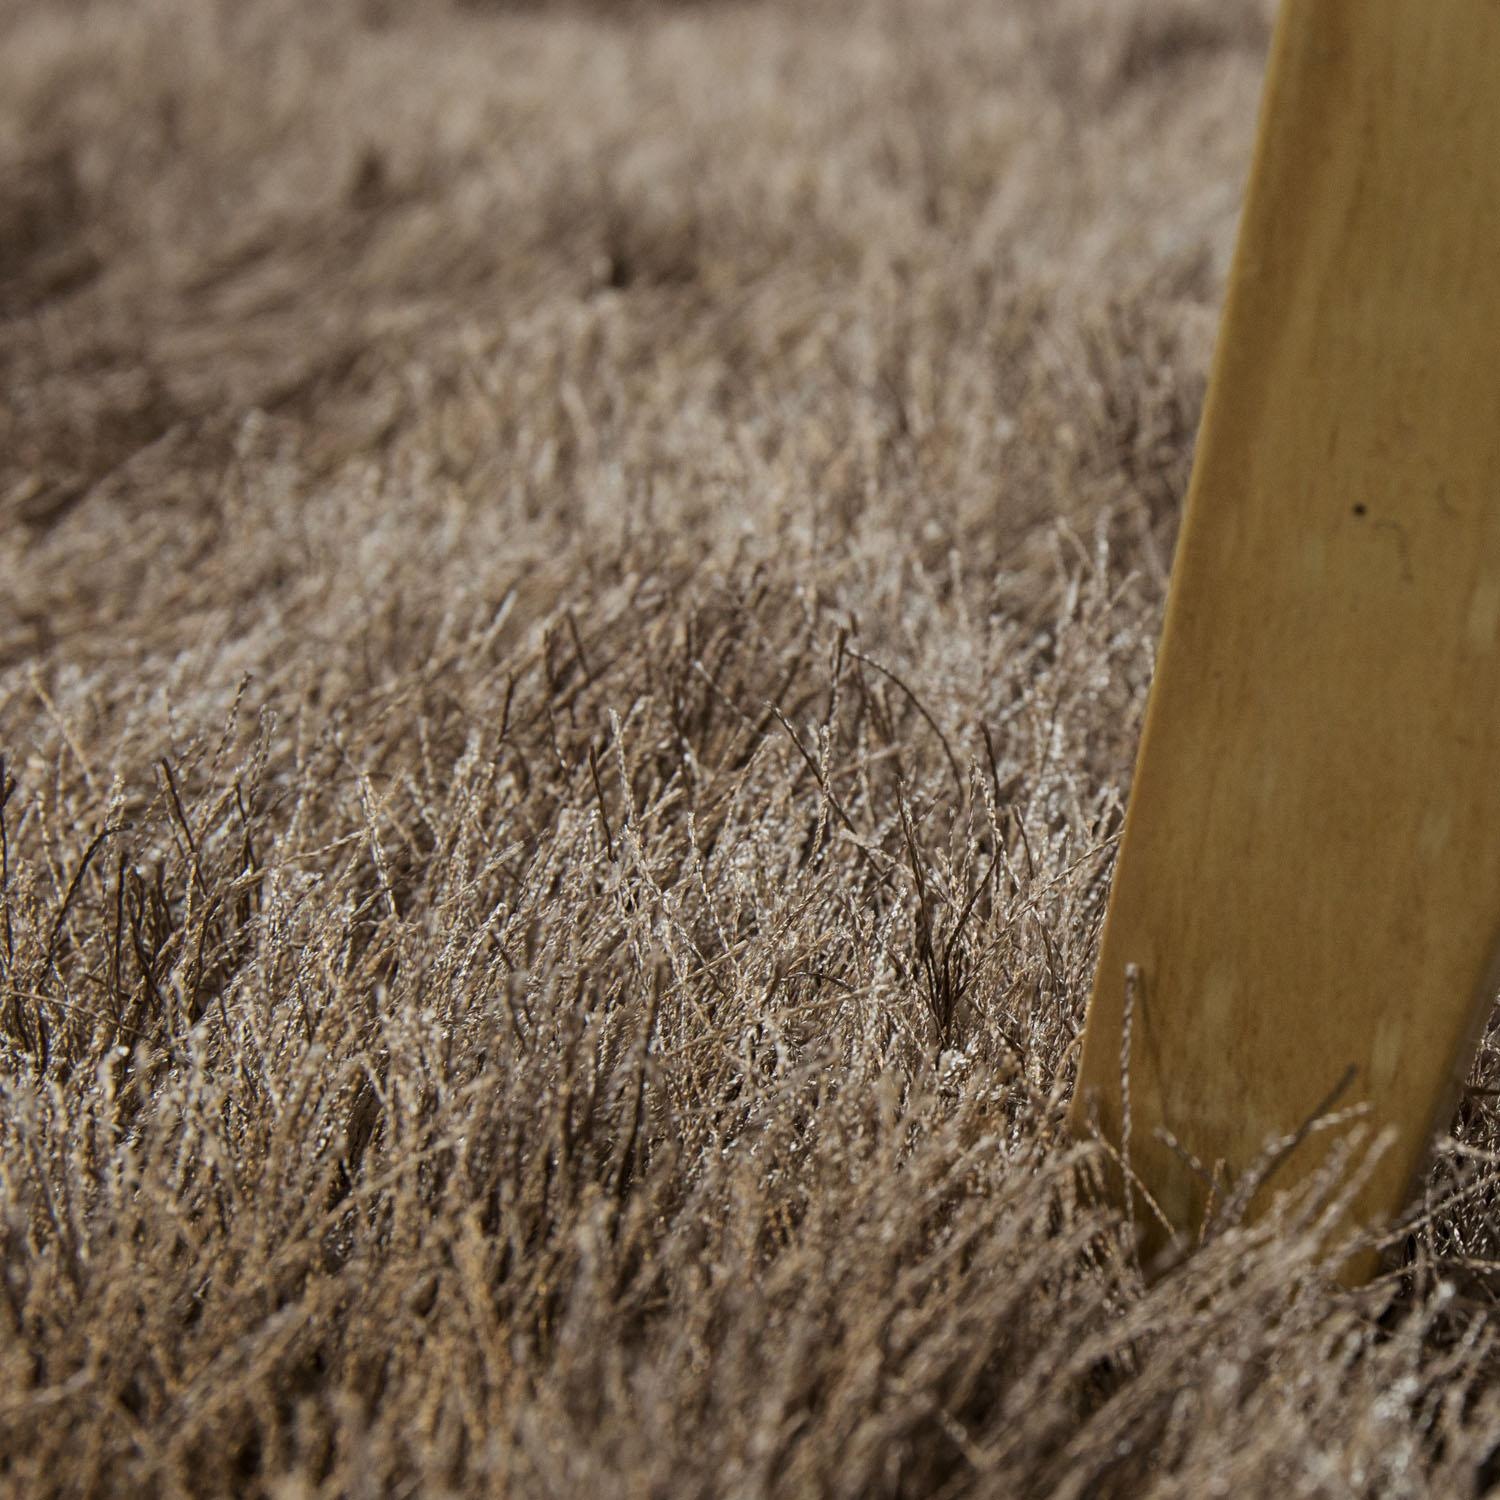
x=1309 y=880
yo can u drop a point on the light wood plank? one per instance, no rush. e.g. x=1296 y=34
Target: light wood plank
x=1309 y=880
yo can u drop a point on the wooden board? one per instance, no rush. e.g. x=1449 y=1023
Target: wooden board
x=1309 y=880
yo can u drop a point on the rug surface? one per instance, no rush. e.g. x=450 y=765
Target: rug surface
x=577 y=584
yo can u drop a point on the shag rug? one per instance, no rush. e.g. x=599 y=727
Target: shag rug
x=577 y=584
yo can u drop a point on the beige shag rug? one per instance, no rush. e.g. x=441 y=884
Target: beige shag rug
x=576 y=588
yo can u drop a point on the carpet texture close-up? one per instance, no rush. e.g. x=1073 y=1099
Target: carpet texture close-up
x=577 y=588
